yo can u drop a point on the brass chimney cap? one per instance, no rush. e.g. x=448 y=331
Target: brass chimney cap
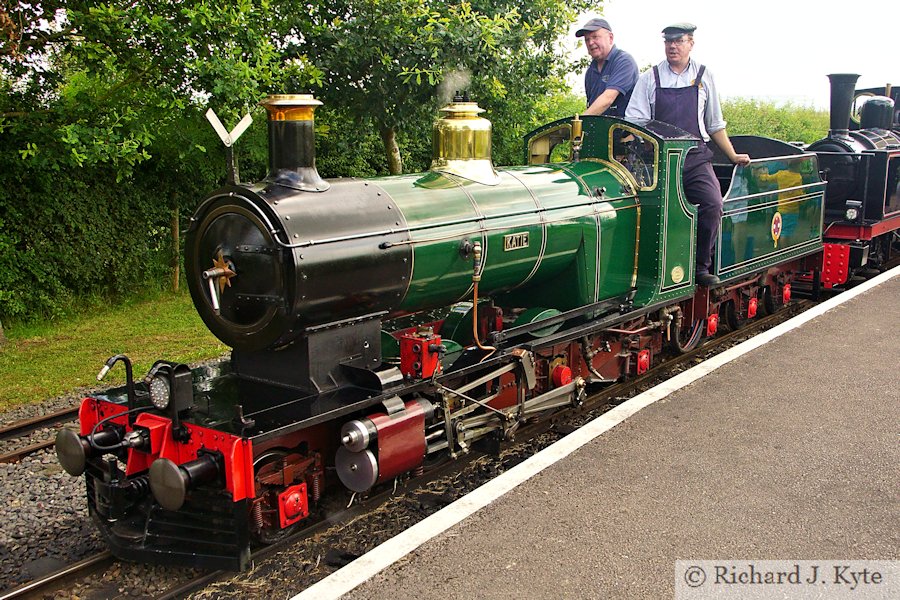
x=290 y=100
x=462 y=109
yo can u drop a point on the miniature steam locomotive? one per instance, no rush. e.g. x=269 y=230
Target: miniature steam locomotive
x=376 y=324
x=862 y=165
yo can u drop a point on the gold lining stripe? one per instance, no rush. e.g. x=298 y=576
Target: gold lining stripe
x=674 y=154
x=537 y=204
x=637 y=246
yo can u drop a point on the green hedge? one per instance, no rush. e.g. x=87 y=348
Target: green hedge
x=790 y=122
x=70 y=236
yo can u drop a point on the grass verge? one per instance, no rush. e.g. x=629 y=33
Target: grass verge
x=45 y=360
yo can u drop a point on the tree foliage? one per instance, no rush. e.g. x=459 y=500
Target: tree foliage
x=107 y=80
x=102 y=135
x=393 y=62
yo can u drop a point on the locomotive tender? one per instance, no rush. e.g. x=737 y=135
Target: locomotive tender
x=378 y=323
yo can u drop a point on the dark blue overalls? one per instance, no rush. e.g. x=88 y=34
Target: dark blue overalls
x=680 y=107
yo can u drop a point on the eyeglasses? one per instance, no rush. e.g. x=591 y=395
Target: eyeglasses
x=679 y=42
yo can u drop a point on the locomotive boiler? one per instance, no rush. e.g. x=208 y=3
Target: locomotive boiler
x=375 y=323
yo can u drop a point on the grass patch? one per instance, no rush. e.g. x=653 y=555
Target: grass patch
x=43 y=360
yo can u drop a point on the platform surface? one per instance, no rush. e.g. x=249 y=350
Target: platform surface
x=788 y=452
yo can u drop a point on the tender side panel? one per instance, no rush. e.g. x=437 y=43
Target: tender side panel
x=773 y=212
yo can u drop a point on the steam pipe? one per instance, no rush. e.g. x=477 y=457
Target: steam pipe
x=129 y=379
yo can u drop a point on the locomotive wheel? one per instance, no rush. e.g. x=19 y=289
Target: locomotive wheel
x=265 y=533
x=687 y=338
x=768 y=301
x=732 y=318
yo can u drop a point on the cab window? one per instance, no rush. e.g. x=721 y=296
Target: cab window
x=554 y=145
x=636 y=152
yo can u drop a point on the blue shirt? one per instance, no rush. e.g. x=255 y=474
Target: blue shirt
x=619 y=72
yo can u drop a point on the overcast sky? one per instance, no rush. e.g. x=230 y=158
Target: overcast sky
x=777 y=50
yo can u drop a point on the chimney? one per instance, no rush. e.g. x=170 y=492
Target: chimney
x=292 y=142
x=843 y=87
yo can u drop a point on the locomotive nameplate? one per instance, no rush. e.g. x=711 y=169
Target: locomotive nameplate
x=515 y=241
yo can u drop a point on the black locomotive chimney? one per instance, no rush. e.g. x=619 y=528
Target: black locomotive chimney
x=843 y=86
x=292 y=142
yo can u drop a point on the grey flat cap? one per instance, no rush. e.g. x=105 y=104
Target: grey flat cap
x=593 y=25
x=675 y=31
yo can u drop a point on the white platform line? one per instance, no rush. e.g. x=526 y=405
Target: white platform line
x=365 y=567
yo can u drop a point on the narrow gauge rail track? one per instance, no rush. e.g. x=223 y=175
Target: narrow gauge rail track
x=21 y=429
x=54 y=581
x=18 y=454
x=601 y=400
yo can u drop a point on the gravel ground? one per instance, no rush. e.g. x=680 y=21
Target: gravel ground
x=44 y=408
x=44 y=523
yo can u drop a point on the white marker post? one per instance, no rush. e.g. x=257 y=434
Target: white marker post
x=229 y=138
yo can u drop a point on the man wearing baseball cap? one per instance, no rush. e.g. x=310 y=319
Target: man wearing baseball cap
x=682 y=92
x=612 y=73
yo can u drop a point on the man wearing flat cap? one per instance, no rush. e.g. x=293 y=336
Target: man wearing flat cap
x=612 y=73
x=682 y=92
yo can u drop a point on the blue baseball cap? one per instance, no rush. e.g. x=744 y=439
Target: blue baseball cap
x=593 y=25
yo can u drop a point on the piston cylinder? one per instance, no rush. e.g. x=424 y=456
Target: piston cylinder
x=382 y=445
